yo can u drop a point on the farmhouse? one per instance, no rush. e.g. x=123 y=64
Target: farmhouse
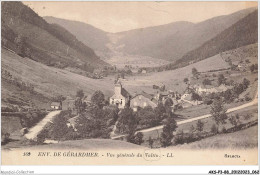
x=56 y=105
x=121 y=97
x=142 y=100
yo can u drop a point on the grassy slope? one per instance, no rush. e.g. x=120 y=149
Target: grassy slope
x=89 y=35
x=48 y=43
x=242 y=33
x=174 y=79
x=49 y=81
x=91 y=144
x=208 y=122
x=247 y=138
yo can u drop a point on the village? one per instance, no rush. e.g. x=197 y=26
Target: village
x=154 y=87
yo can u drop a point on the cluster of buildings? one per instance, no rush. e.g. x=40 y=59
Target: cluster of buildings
x=122 y=97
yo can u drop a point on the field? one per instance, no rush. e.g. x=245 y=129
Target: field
x=173 y=79
x=87 y=144
x=208 y=122
x=244 y=139
x=50 y=81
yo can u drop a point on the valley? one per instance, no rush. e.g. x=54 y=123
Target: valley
x=71 y=84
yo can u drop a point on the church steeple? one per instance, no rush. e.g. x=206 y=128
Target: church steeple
x=118 y=88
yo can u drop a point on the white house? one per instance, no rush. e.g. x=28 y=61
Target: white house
x=142 y=100
x=121 y=97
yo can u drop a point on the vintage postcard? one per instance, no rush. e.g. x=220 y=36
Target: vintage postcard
x=129 y=83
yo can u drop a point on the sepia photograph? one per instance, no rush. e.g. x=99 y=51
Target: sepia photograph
x=129 y=83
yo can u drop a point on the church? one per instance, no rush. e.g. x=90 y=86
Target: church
x=121 y=98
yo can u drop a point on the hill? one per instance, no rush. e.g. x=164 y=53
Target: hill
x=243 y=139
x=172 y=41
x=26 y=82
x=30 y=35
x=89 y=35
x=242 y=33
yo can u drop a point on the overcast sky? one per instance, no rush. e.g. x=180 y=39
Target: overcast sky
x=122 y=16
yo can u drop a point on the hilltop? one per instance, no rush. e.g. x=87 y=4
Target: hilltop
x=242 y=33
x=28 y=34
x=172 y=41
x=89 y=35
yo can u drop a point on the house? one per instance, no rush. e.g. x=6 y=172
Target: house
x=121 y=97
x=68 y=103
x=56 y=105
x=161 y=96
x=143 y=71
x=142 y=100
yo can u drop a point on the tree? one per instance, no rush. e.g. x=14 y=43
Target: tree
x=194 y=72
x=59 y=127
x=20 y=44
x=127 y=122
x=221 y=79
x=214 y=129
x=167 y=134
x=98 y=98
x=218 y=112
x=80 y=94
x=234 y=120
x=246 y=83
x=195 y=96
x=200 y=125
x=139 y=138
x=206 y=82
x=78 y=105
x=150 y=141
x=147 y=117
x=192 y=129
x=42 y=136
x=186 y=80
x=59 y=98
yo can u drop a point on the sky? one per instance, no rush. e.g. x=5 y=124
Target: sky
x=122 y=16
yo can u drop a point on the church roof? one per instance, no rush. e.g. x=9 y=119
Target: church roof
x=125 y=93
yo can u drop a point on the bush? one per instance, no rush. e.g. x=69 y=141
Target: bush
x=214 y=129
x=42 y=136
x=5 y=137
x=139 y=138
x=167 y=134
x=247 y=116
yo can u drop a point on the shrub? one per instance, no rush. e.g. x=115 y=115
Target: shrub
x=167 y=134
x=214 y=129
x=5 y=137
x=139 y=138
x=42 y=136
x=247 y=116
x=150 y=141
x=200 y=125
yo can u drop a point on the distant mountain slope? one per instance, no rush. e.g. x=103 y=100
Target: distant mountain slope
x=89 y=35
x=173 y=40
x=242 y=33
x=47 y=43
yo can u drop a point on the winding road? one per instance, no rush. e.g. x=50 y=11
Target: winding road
x=253 y=102
x=34 y=131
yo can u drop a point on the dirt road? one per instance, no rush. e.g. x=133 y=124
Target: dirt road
x=34 y=131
